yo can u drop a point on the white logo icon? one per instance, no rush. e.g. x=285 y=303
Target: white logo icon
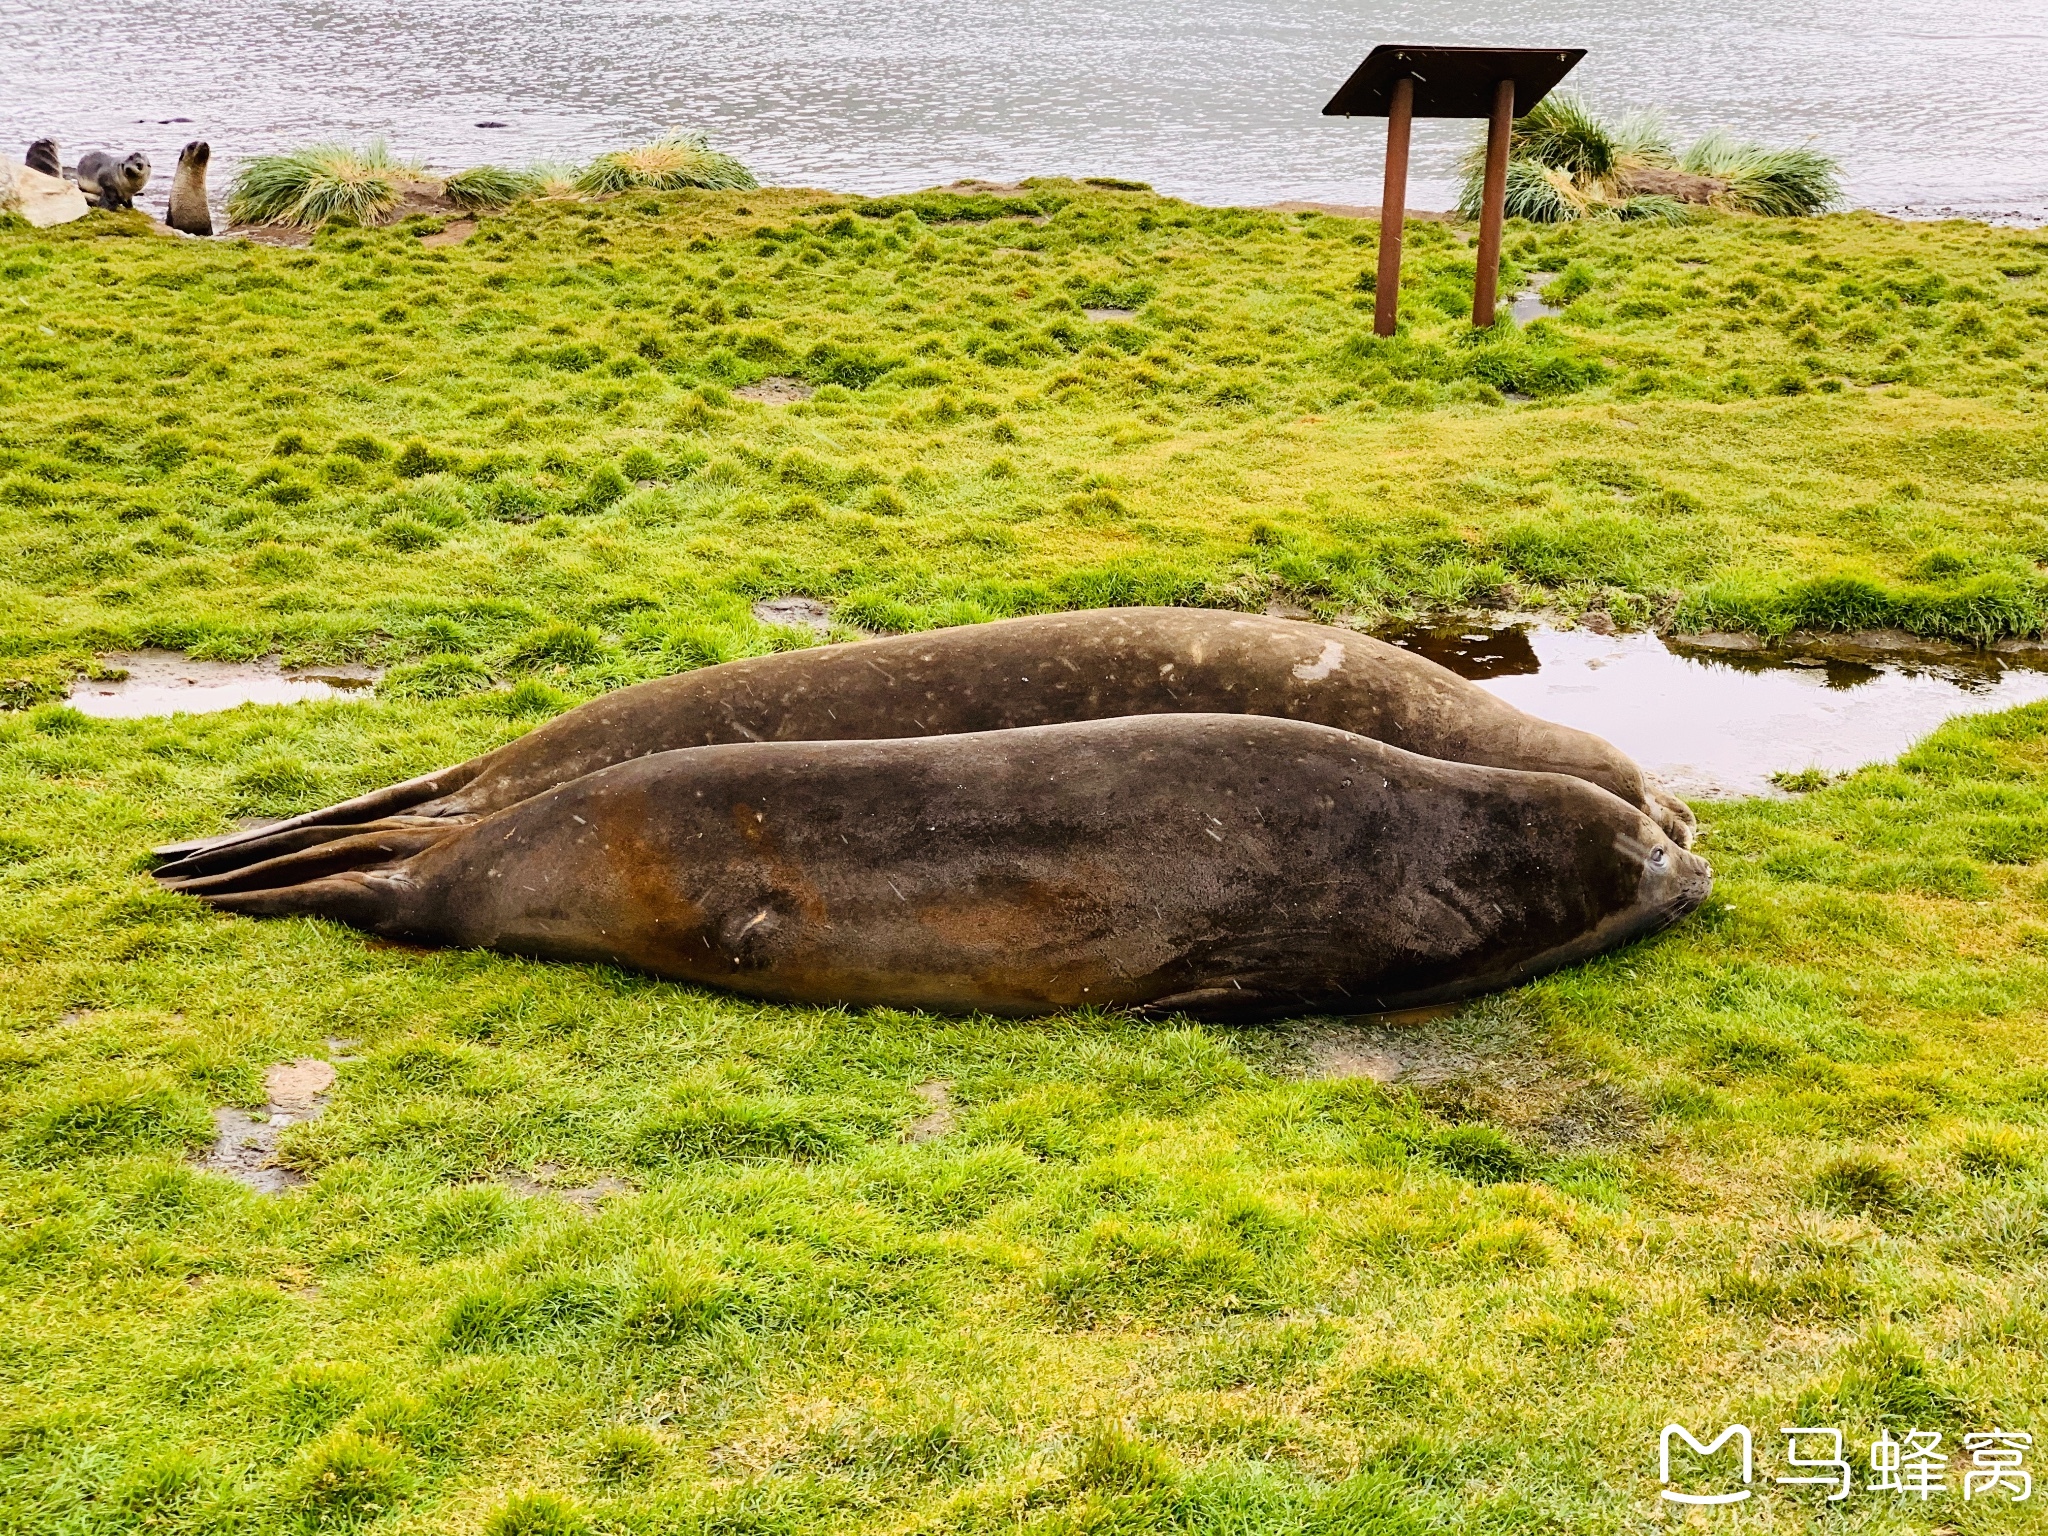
x=1736 y=1432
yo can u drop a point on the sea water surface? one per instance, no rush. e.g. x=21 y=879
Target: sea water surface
x=1930 y=105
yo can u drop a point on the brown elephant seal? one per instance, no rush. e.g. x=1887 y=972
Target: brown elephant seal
x=1044 y=670
x=42 y=157
x=112 y=183
x=1227 y=866
x=189 y=212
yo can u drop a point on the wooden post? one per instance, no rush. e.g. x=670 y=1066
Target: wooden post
x=1393 y=208
x=1493 y=203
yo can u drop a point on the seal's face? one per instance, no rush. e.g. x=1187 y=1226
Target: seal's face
x=1673 y=880
x=135 y=170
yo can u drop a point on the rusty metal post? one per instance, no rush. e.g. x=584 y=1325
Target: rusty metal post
x=1493 y=203
x=1393 y=208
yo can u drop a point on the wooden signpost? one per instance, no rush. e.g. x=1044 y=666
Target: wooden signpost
x=1402 y=83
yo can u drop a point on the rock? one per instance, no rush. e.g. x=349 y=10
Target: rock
x=42 y=200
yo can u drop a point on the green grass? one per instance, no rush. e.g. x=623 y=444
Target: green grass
x=373 y=451
x=1783 y=1164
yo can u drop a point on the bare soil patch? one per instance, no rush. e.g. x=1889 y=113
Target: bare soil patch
x=939 y=1094
x=454 y=232
x=775 y=390
x=1484 y=1061
x=546 y=1179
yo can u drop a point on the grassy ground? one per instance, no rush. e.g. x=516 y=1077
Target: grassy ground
x=525 y=446
x=1786 y=1164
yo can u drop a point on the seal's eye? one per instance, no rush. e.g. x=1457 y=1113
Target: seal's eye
x=1660 y=858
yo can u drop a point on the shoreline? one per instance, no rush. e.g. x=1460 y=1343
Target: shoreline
x=154 y=201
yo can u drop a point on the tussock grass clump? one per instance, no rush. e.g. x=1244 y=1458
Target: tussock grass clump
x=1776 y=183
x=323 y=184
x=666 y=165
x=554 y=178
x=489 y=188
x=1566 y=162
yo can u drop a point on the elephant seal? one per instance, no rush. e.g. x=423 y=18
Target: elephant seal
x=189 y=213
x=1219 y=865
x=42 y=156
x=1043 y=670
x=112 y=183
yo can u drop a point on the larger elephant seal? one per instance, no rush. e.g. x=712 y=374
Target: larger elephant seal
x=1216 y=865
x=1043 y=670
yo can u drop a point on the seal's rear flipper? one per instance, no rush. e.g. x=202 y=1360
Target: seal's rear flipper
x=274 y=844
x=360 y=854
x=391 y=801
x=368 y=902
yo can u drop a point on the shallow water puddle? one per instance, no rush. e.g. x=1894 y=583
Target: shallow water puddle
x=244 y=1145
x=168 y=683
x=1530 y=304
x=1715 y=716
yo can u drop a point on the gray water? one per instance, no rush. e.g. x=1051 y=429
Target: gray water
x=1713 y=726
x=1929 y=104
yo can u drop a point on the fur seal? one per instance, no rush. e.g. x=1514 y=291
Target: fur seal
x=1218 y=865
x=1042 y=670
x=112 y=183
x=188 y=212
x=42 y=156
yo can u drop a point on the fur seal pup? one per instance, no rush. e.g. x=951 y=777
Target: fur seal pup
x=112 y=183
x=1042 y=670
x=1220 y=865
x=42 y=156
x=189 y=213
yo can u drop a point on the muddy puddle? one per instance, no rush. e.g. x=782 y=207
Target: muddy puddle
x=168 y=683
x=1715 y=716
x=245 y=1145
x=795 y=613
